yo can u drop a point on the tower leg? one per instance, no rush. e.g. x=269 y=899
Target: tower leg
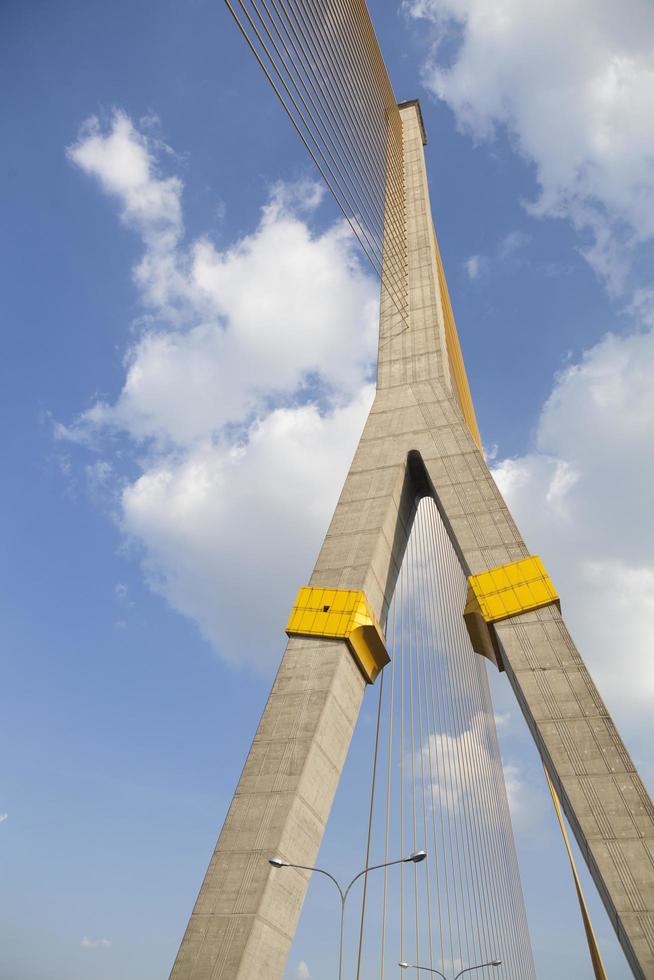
x=602 y=795
x=245 y=916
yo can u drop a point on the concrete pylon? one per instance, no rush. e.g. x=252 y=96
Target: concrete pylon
x=420 y=438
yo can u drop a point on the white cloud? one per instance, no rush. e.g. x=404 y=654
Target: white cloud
x=253 y=341
x=462 y=763
x=455 y=783
x=223 y=524
x=642 y=306
x=302 y=972
x=582 y=499
x=263 y=318
x=123 y=162
x=517 y=792
x=572 y=82
x=475 y=265
x=512 y=243
x=3 y=817
x=505 y=254
x=88 y=943
x=252 y=360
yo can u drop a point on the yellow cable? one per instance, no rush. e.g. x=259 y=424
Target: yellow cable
x=595 y=956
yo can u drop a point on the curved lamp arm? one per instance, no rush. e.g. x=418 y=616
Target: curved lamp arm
x=277 y=863
x=427 y=969
x=372 y=867
x=414 y=858
x=478 y=967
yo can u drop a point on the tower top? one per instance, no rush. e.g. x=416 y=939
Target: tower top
x=416 y=103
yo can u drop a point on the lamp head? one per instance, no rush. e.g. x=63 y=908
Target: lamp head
x=496 y=963
x=277 y=862
x=403 y=965
x=417 y=857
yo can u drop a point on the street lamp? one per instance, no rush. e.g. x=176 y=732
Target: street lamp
x=414 y=858
x=428 y=969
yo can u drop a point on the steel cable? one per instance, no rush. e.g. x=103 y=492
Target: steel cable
x=464 y=731
x=338 y=97
x=495 y=827
x=439 y=749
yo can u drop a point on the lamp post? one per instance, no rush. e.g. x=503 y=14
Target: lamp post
x=414 y=858
x=428 y=969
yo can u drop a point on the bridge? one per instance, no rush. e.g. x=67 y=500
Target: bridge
x=423 y=580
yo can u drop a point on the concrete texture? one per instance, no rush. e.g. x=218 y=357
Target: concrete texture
x=415 y=442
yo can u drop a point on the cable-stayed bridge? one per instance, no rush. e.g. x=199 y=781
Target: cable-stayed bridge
x=422 y=577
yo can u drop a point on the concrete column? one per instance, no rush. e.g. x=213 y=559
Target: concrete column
x=602 y=795
x=246 y=913
x=607 y=806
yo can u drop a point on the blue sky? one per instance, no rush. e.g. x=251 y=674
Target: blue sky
x=149 y=180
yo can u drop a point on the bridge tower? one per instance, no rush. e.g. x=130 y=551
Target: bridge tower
x=420 y=440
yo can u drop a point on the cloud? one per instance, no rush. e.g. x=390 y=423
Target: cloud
x=642 y=306
x=223 y=523
x=249 y=360
x=582 y=499
x=456 y=784
x=3 y=817
x=518 y=793
x=475 y=266
x=88 y=943
x=577 y=104
x=505 y=257
x=123 y=162
x=511 y=244
x=302 y=972
x=267 y=317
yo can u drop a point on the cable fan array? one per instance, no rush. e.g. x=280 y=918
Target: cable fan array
x=438 y=784
x=322 y=59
